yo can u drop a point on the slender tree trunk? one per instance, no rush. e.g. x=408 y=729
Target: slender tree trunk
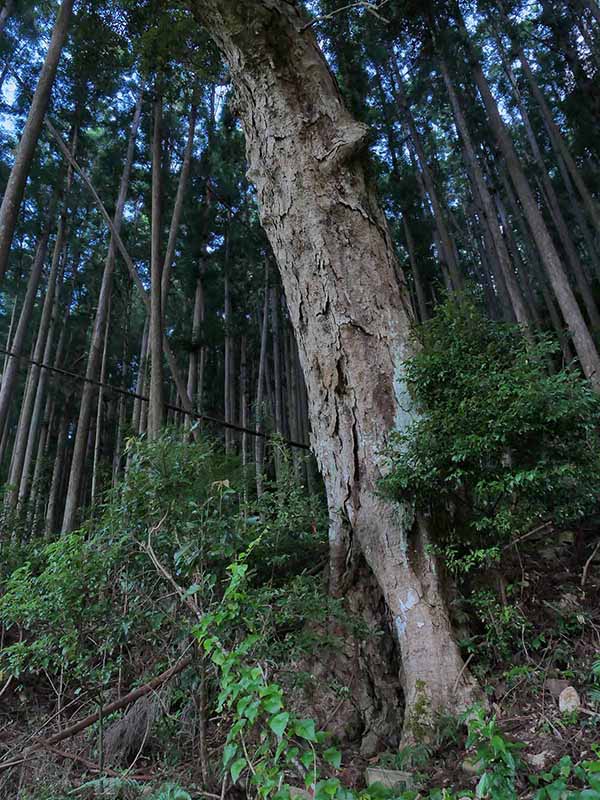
x=12 y=364
x=36 y=498
x=335 y=255
x=277 y=389
x=20 y=446
x=6 y=13
x=15 y=187
x=585 y=291
x=259 y=444
x=57 y=476
x=244 y=398
x=99 y=416
x=491 y=220
x=447 y=250
x=177 y=211
x=179 y=382
x=89 y=390
x=193 y=363
x=556 y=138
x=227 y=363
x=41 y=399
x=553 y=204
x=38 y=406
x=533 y=263
x=156 y=410
x=9 y=335
x=582 y=339
x=139 y=385
x=416 y=272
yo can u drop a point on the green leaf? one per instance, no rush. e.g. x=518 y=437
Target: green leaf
x=333 y=756
x=272 y=704
x=279 y=722
x=229 y=752
x=305 y=728
x=307 y=759
x=237 y=768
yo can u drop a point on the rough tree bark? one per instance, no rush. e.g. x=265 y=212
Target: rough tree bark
x=351 y=319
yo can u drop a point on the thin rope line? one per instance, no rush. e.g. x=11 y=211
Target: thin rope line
x=128 y=393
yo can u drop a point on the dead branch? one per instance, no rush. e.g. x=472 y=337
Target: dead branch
x=162 y=570
x=131 y=697
x=587 y=565
x=372 y=8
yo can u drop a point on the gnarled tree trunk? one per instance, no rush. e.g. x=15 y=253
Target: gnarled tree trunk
x=351 y=319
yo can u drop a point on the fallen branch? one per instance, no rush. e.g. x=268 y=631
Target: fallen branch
x=84 y=723
x=134 y=695
x=92 y=766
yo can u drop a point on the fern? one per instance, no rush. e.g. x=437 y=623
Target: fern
x=170 y=791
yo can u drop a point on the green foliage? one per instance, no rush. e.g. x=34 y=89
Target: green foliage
x=569 y=781
x=503 y=625
x=264 y=738
x=501 y=444
x=496 y=758
x=89 y=598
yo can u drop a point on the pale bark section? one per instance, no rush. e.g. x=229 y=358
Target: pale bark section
x=351 y=318
x=15 y=187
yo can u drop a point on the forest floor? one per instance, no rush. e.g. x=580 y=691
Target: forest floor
x=533 y=636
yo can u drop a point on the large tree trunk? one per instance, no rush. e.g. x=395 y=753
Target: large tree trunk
x=351 y=319
x=15 y=187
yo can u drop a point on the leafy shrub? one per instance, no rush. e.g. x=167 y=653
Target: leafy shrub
x=91 y=599
x=501 y=444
